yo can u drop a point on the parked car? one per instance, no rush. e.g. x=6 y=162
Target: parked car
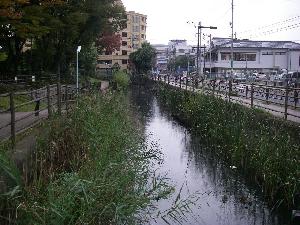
x=239 y=77
x=261 y=76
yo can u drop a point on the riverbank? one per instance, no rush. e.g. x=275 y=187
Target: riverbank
x=91 y=166
x=263 y=148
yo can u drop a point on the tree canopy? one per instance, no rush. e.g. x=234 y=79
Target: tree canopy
x=42 y=35
x=144 y=58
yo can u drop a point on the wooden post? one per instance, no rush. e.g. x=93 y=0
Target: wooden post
x=66 y=98
x=252 y=92
x=214 y=87
x=49 y=101
x=168 y=78
x=286 y=101
x=12 y=120
x=247 y=90
x=59 y=98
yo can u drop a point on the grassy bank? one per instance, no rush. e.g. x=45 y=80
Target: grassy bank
x=264 y=148
x=91 y=167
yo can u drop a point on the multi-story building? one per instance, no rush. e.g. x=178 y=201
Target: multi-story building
x=161 y=56
x=260 y=56
x=132 y=38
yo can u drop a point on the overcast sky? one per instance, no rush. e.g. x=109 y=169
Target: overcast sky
x=167 y=19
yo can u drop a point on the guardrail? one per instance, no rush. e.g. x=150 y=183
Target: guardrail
x=252 y=95
x=45 y=101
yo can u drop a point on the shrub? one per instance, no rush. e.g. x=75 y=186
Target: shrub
x=121 y=80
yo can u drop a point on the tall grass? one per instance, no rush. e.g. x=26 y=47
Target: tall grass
x=263 y=147
x=91 y=167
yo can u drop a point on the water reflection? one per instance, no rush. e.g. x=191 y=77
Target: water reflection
x=225 y=199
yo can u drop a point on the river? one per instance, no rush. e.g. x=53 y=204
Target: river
x=225 y=197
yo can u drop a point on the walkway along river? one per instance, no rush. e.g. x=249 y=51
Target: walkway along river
x=225 y=198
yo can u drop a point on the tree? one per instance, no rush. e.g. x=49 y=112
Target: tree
x=144 y=58
x=55 y=28
x=109 y=42
x=182 y=61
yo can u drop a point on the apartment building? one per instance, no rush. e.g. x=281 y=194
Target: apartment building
x=264 y=56
x=132 y=38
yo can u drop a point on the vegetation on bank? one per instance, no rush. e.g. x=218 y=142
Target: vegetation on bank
x=91 y=167
x=263 y=147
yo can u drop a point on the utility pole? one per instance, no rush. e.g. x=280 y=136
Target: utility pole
x=231 y=40
x=210 y=55
x=198 y=46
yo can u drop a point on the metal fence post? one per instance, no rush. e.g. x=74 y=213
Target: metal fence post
x=214 y=87
x=286 y=101
x=252 y=92
x=168 y=78
x=247 y=90
x=13 y=120
x=59 y=98
x=48 y=101
x=295 y=98
x=179 y=81
x=267 y=95
x=186 y=83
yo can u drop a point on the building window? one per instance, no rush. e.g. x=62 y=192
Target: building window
x=267 y=53
x=143 y=27
x=124 y=52
x=124 y=34
x=124 y=61
x=299 y=60
x=181 y=50
x=136 y=28
x=225 y=56
x=280 y=53
x=124 y=43
x=142 y=36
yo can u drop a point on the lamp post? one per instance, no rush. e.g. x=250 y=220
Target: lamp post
x=77 y=84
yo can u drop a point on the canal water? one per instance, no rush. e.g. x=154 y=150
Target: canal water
x=224 y=196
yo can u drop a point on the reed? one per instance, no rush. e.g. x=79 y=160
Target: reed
x=264 y=148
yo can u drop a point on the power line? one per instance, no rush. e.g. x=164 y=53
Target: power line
x=273 y=31
x=289 y=20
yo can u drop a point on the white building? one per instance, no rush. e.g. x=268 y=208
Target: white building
x=179 y=48
x=257 y=56
x=161 y=56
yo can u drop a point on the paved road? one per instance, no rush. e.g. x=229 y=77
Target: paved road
x=20 y=125
x=275 y=110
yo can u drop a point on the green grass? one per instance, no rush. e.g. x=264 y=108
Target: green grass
x=264 y=148
x=18 y=100
x=91 y=167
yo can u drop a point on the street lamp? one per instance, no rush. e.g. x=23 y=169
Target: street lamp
x=78 y=50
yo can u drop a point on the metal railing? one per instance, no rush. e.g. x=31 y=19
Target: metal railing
x=282 y=100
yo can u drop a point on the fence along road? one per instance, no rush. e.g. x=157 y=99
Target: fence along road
x=281 y=102
x=45 y=101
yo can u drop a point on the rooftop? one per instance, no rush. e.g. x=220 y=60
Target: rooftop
x=245 y=43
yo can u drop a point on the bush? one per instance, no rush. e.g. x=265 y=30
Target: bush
x=121 y=80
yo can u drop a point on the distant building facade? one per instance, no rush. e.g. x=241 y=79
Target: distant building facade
x=259 y=56
x=132 y=38
x=161 y=57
